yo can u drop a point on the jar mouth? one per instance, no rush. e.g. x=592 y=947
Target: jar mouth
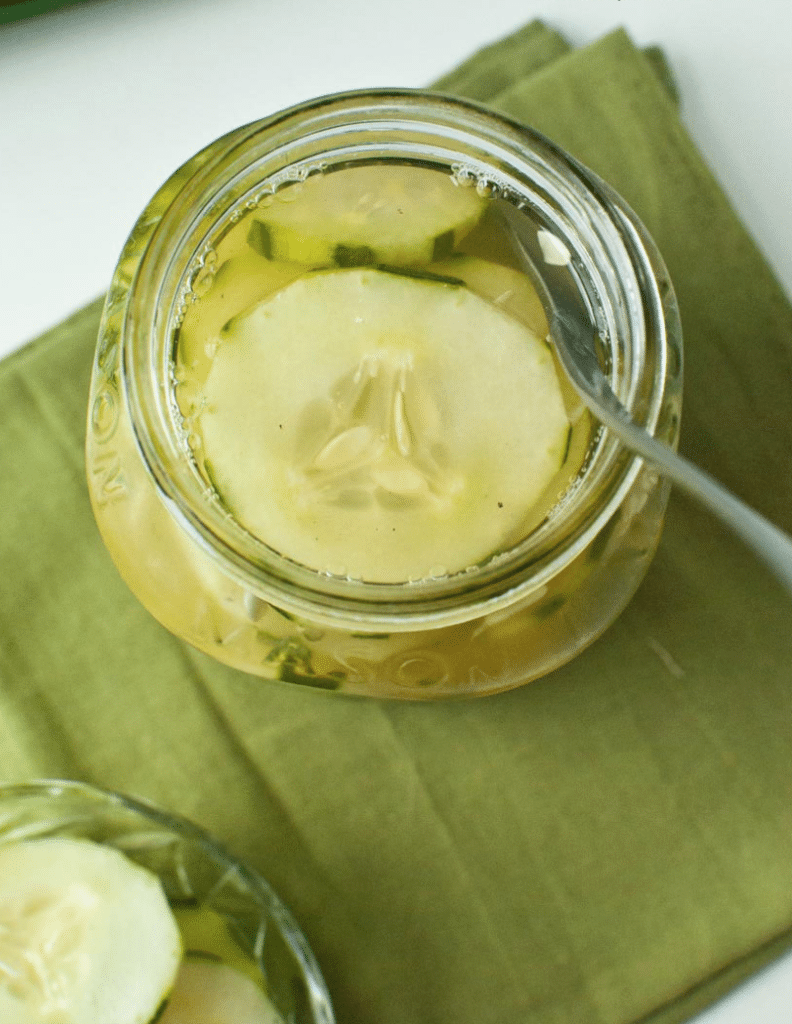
x=618 y=273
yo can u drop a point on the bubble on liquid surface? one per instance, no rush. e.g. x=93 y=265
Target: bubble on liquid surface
x=487 y=185
x=202 y=282
x=463 y=175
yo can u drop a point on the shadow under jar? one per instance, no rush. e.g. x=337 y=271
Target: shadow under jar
x=290 y=470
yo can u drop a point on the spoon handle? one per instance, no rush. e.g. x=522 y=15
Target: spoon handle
x=573 y=334
x=771 y=545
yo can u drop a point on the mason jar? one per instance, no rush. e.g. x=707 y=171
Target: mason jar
x=546 y=590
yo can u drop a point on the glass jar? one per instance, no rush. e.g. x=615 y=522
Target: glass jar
x=196 y=873
x=509 y=618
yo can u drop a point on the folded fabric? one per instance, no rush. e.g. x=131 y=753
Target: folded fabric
x=610 y=844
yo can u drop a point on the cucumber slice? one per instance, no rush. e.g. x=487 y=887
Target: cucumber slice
x=212 y=993
x=380 y=426
x=11 y=1010
x=364 y=215
x=86 y=936
x=506 y=288
x=238 y=284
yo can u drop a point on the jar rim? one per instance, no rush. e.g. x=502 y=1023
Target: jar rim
x=634 y=300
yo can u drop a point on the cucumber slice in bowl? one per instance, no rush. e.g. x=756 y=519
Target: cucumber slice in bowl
x=192 y=870
x=85 y=934
x=214 y=993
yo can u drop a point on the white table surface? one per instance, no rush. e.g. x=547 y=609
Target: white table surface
x=101 y=101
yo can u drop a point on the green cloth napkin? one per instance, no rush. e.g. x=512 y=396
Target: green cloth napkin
x=610 y=844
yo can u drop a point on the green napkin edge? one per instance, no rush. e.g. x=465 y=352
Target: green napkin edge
x=494 y=68
x=711 y=990
x=77 y=321
x=525 y=52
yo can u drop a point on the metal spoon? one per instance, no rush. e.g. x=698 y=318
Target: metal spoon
x=574 y=338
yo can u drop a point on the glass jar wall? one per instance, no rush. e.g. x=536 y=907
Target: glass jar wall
x=247 y=220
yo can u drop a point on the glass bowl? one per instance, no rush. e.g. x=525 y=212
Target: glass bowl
x=192 y=867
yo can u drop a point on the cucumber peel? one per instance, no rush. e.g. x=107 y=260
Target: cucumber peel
x=358 y=216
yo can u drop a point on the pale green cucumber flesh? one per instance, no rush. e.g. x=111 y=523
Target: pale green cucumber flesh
x=85 y=935
x=372 y=424
x=214 y=993
x=503 y=286
x=238 y=284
